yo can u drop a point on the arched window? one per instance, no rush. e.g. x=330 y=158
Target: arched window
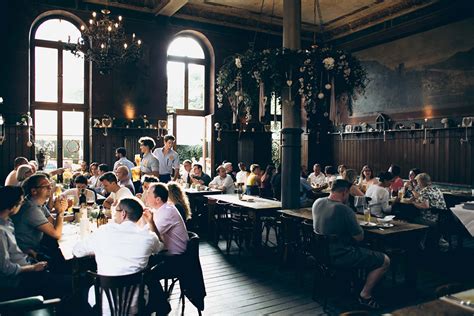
x=59 y=90
x=188 y=94
x=186 y=70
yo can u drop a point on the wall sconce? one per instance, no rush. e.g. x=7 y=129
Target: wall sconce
x=218 y=128
x=162 y=128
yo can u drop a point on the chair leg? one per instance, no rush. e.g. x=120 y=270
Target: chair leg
x=182 y=299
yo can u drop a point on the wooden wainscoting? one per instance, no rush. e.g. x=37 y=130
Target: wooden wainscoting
x=443 y=156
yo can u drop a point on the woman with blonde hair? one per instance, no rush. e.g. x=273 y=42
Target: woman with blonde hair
x=177 y=197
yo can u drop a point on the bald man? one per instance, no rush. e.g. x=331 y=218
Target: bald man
x=123 y=177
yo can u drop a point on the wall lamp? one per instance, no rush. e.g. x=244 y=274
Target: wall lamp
x=218 y=128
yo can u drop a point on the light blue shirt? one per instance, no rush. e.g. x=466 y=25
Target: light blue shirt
x=124 y=162
x=167 y=162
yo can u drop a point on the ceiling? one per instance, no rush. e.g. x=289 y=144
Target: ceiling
x=339 y=17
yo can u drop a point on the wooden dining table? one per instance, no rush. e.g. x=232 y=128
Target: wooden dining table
x=402 y=235
x=256 y=208
x=433 y=308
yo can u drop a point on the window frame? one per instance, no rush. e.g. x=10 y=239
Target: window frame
x=59 y=106
x=189 y=60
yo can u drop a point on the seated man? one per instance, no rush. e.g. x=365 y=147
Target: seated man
x=223 y=181
x=379 y=195
x=20 y=276
x=123 y=177
x=11 y=178
x=199 y=177
x=34 y=219
x=80 y=187
x=123 y=247
x=317 y=179
x=109 y=181
x=186 y=174
x=167 y=219
x=332 y=217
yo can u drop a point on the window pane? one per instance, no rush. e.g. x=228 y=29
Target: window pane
x=73 y=78
x=73 y=139
x=58 y=30
x=185 y=47
x=46 y=128
x=275 y=106
x=175 y=72
x=189 y=130
x=196 y=87
x=46 y=74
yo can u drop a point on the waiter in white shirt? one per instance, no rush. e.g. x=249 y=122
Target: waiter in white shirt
x=121 y=155
x=168 y=160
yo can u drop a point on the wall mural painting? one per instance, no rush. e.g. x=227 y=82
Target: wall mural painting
x=429 y=70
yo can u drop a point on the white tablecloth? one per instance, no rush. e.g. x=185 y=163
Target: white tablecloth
x=465 y=216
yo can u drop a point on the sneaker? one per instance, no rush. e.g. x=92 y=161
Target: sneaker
x=369 y=302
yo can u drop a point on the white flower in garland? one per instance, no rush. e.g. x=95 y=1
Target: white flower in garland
x=328 y=63
x=238 y=63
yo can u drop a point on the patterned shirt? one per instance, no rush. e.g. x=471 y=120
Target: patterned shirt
x=435 y=200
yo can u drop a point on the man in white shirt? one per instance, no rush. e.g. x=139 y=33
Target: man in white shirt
x=121 y=155
x=186 y=175
x=109 y=181
x=11 y=178
x=223 y=181
x=123 y=247
x=123 y=177
x=317 y=179
x=241 y=176
x=168 y=160
x=380 y=196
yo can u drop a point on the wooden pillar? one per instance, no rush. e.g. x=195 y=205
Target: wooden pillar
x=291 y=112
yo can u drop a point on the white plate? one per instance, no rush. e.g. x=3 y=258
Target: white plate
x=367 y=224
x=385 y=225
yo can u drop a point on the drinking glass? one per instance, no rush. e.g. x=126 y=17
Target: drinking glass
x=367 y=215
x=70 y=203
x=138 y=160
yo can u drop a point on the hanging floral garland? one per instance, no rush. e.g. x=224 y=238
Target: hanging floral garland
x=320 y=76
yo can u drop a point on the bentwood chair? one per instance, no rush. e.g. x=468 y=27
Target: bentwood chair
x=29 y=306
x=124 y=294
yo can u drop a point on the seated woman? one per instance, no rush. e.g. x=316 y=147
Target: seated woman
x=366 y=179
x=380 y=196
x=180 y=200
x=429 y=200
x=266 y=186
x=397 y=182
x=411 y=185
x=79 y=189
x=20 y=275
x=253 y=180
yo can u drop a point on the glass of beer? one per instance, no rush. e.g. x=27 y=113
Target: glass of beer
x=367 y=214
x=70 y=203
x=138 y=160
x=59 y=189
x=135 y=174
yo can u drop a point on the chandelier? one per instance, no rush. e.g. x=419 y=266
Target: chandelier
x=104 y=43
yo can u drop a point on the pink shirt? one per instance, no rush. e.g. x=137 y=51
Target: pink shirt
x=172 y=229
x=397 y=184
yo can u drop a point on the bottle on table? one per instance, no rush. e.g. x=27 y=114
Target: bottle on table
x=367 y=215
x=101 y=218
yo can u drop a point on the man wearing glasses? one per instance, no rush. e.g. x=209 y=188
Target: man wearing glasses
x=34 y=219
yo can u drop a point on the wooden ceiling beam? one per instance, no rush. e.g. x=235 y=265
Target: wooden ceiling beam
x=119 y=5
x=169 y=7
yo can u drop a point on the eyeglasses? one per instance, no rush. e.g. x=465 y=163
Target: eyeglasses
x=46 y=186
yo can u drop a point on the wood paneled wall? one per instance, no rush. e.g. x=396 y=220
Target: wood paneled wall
x=443 y=156
x=14 y=146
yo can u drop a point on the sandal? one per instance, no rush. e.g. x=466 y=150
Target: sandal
x=369 y=302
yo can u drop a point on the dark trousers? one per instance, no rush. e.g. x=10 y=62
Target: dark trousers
x=165 y=178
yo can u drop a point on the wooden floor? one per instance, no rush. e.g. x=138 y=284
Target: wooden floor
x=247 y=285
